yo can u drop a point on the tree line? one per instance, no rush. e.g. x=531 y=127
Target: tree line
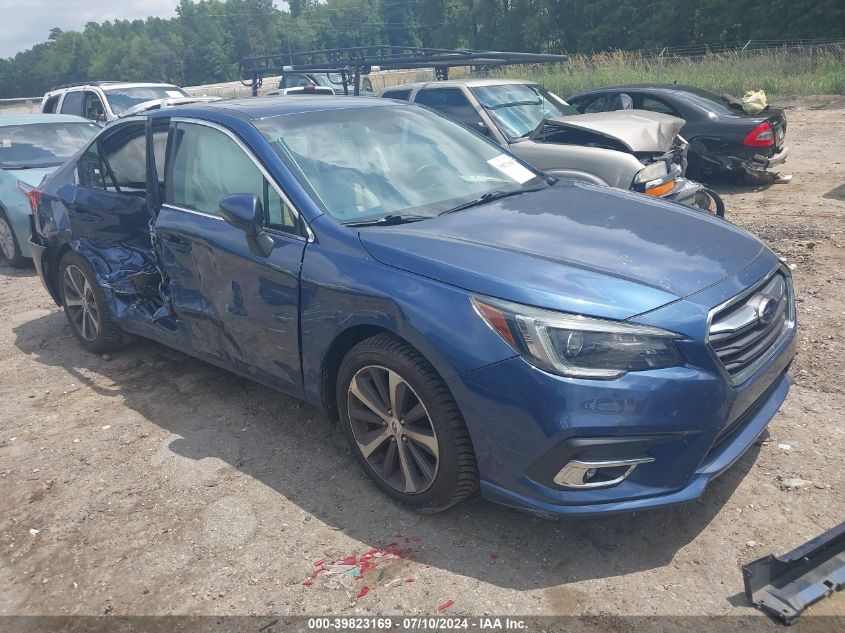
x=204 y=41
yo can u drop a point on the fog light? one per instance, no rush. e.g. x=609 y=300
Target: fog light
x=598 y=473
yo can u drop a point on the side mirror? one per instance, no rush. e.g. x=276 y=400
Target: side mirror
x=245 y=212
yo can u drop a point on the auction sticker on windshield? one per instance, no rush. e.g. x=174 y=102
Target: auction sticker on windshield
x=512 y=169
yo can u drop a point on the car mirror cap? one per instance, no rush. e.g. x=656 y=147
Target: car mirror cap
x=244 y=211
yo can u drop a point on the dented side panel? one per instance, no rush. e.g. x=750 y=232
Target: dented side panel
x=237 y=307
x=106 y=216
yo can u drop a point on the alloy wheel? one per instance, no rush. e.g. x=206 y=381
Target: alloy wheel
x=80 y=303
x=393 y=429
x=7 y=240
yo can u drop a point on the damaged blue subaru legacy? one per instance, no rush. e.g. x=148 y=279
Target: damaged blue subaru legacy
x=469 y=322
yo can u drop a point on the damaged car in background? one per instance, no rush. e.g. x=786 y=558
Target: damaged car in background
x=724 y=139
x=641 y=151
x=458 y=312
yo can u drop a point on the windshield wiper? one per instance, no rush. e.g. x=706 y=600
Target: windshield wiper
x=488 y=197
x=388 y=220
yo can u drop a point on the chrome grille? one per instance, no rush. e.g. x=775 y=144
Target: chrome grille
x=745 y=332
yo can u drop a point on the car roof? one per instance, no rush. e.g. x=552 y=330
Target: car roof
x=129 y=84
x=30 y=119
x=112 y=85
x=470 y=83
x=649 y=87
x=269 y=106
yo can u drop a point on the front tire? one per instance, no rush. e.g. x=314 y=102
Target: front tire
x=10 y=250
x=85 y=306
x=404 y=426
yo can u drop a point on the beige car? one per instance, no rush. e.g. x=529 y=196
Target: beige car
x=632 y=149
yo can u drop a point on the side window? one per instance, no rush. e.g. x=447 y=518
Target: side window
x=207 y=164
x=397 y=94
x=93 y=107
x=125 y=154
x=90 y=169
x=595 y=105
x=657 y=105
x=295 y=81
x=117 y=161
x=50 y=105
x=451 y=101
x=72 y=103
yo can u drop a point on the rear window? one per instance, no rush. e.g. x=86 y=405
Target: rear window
x=42 y=144
x=708 y=100
x=397 y=94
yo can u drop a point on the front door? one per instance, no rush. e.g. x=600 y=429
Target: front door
x=235 y=306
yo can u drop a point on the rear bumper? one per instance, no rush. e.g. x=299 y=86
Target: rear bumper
x=41 y=258
x=758 y=162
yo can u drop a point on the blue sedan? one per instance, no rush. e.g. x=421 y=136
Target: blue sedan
x=469 y=322
x=31 y=147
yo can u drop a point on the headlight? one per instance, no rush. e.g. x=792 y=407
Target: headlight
x=578 y=346
x=655 y=179
x=654 y=171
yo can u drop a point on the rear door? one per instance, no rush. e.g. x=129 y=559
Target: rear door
x=73 y=102
x=236 y=306
x=109 y=199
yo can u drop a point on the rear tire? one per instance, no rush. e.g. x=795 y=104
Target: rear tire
x=10 y=250
x=85 y=306
x=404 y=426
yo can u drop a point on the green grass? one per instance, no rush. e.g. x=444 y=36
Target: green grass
x=779 y=73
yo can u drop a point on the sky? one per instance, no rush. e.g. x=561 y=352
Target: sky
x=31 y=20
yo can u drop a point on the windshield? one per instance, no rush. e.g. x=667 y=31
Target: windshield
x=519 y=108
x=367 y=163
x=42 y=144
x=121 y=99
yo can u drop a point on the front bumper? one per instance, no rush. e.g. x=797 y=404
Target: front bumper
x=527 y=424
x=684 y=191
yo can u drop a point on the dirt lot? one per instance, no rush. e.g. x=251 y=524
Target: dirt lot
x=152 y=483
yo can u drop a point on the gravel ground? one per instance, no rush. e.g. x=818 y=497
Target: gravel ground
x=152 y=483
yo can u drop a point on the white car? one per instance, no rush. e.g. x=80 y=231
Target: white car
x=104 y=101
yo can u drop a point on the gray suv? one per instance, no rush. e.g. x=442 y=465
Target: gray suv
x=633 y=149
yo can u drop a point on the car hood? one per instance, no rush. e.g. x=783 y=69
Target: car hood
x=573 y=247
x=638 y=130
x=32 y=176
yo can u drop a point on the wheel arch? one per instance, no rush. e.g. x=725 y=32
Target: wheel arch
x=337 y=351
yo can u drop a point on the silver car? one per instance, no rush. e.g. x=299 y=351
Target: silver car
x=632 y=149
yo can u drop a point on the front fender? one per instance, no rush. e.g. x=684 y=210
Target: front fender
x=346 y=288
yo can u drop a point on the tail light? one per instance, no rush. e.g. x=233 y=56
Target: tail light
x=32 y=194
x=761 y=136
